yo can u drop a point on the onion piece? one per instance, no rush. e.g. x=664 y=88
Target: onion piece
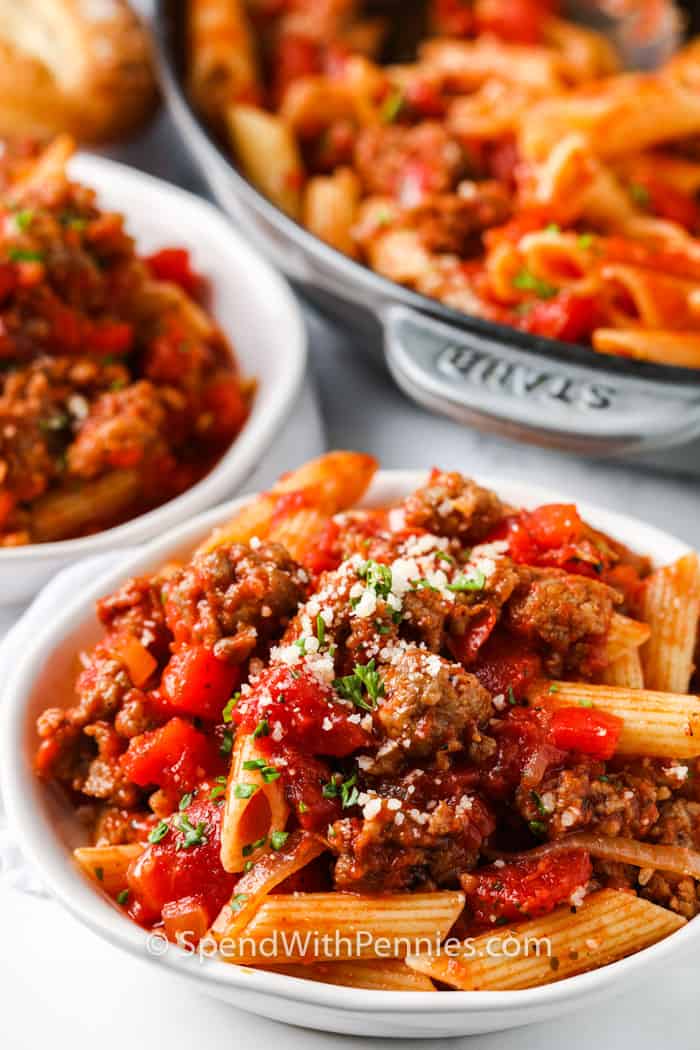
x=675 y=860
x=273 y=868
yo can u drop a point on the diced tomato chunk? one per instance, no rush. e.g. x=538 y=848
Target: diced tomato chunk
x=197 y=683
x=303 y=778
x=507 y=666
x=110 y=337
x=176 y=757
x=553 y=524
x=296 y=708
x=186 y=919
x=173 y=264
x=466 y=648
x=184 y=863
x=525 y=888
x=525 y=750
x=594 y=733
x=297 y=56
x=325 y=553
x=568 y=317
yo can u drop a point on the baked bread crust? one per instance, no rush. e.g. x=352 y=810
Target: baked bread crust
x=82 y=66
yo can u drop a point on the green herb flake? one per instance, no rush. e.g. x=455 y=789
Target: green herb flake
x=585 y=703
x=475 y=582
x=217 y=793
x=537 y=799
x=226 y=746
x=191 y=835
x=278 y=839
x=269 y=773
x=251 y=847
x=238 y=900
x=243 y=790
x=254 y=763
x=639 y=194
x=392 y=106
x=302 y=807
x=227 y=712
x=261 y=729
x=320 y=630
x=552 y=227
x=444 y=556
x=585 y=240
x=186 y=801
x=526 y=281
x=349 y=792
x=511 y=696
x=365 y=678
x=100 y=874
x=159 y=832
x=554 y=688
x=25 y=255
x=537 y=827
x=123 y=897
x=24 y=219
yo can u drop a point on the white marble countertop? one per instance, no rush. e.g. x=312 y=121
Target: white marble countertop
x=62 y=984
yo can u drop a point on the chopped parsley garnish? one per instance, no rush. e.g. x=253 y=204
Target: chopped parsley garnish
x=159 y=832
x=377 y=577
x=278 y=839
x=217 y=793
x=330 y=790
x=226 y=743
x=73 y=222
x=261 y=729
x=349 y=792
x=251 y=847
x=364 y=679
x=227 y=712
x=249 y=865
x=541 y=808
x=511 y=696
x=255 y=763
x=302 y=807
x=55 y=422
x=552 y=227
x=122 y=897
x=320 y=630
x=243 y=790
x=25 y=255
x=424 y=585
x=537 y=827
x=585 y=240
x=392 y=106
x=468 y=583
x=24 y=218
x=238 y=900
x=382 y=628
x=99 y=874
x=554 y=688
x=585 y=702
x=186 y=801
x=639 y=194
x=444 y=556
x=301 y=645
x=191 y=835
x=330 y=832
x=269 y=773
x=526 y=281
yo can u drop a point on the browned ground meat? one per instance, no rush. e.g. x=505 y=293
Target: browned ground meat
x=678 y=893
x=105 y=778
x=452 y=505
x=568 y=614
x=678 y=824
x=234 y=598
x=583 y=796
x=425 y=849
x=137 y=607
x=454 y=222
x=125 y=428
x=430 y=709
x=382 y=155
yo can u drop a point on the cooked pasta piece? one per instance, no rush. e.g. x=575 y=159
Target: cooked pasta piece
x=624 y=634
x=665 y=725
x=58 y=515
x=330 y=207
x=108 y=865
x=221 y=55
x=329 y=484
x=664 y=347
x=255 y=806
x=269 y=155
x=671 y=605
x=608 y=926
x=337 y=926
x=374 y=975
x=625 y=671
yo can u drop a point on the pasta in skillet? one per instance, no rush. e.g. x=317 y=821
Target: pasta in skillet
x=510 y=170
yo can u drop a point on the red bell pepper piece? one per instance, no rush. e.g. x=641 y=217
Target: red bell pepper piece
x=195 y=682
x=594 y=733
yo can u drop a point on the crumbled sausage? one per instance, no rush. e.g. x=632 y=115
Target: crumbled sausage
x=452 y=505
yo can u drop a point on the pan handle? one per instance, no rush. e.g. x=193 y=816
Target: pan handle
x=529 y=396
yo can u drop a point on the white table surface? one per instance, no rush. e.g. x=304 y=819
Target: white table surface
x=61 y=984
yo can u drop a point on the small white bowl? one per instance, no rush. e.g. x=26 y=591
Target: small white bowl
x=47 y=829
x=257 y=312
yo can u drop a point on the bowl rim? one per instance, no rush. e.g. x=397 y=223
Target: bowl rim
x=21 y=793
x=260 y=429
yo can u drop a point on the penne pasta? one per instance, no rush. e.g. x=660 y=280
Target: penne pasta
x=608 y=926
x=269 y=155
x=329 y=484
x=625 y=671
x=108 y=865
x=671 y=605
x=330 y=207
x=665 y=725
x=664 y=347
x=373 y=975
x=254 y=808
x=222 y=64
x=624 y=634
x=60 y=514
x=338 y=926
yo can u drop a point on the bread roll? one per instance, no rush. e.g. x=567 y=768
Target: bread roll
x=82 y=66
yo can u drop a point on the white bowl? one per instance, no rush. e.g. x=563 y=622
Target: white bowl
x=46 y=829
x=256 y=310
